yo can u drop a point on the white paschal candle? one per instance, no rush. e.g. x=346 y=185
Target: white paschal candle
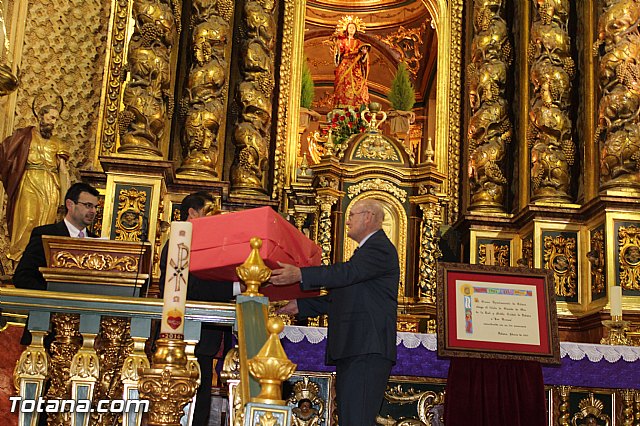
x=176 y=279
x=615 y=300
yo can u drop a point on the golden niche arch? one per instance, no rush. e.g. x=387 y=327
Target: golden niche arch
x=394 y=225
x=446 y=21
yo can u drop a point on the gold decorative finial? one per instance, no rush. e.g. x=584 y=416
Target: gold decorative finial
x=348 y=19
x=253 y=271
x=271 y=366
x=429 y=153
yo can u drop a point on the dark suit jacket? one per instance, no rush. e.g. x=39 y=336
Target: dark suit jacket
x=362 y=303
x=202 y=291
x=27 y=273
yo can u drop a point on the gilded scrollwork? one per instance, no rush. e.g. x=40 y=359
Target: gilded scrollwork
x=169 y=393
x=549 y=131
x=407 y=43
x=501 y=254
x=147 y=97
x=328 y=182
x=206 y=91
x=596 y=258
x=33 y=364
x=307 y=391
x=617 y=133
x=629 y=257
x=251 y=135
x=430 y=406
x=377 y=184
x=94 y=261
x=376 y=147
x=560 y=257
x=131 y=214
x=489 y=130
x=85 y=364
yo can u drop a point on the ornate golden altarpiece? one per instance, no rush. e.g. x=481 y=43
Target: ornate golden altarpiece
x=535 y=147
x=534 y=142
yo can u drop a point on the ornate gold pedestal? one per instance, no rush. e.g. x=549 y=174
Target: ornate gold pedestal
x=168 y=384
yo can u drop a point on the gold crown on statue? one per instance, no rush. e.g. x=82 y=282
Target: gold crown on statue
x=47 y=98
x=348 y=19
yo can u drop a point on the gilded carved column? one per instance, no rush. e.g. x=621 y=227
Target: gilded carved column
x=251 y=136
x=627 y=406
x=489 y=130
x=327 y=197
x=114 y=345
x=205 y=95
x=63 y=349
x=549 y=130
x=147 y=98
x=618 y=126
x=429 y=243
x=564 y=413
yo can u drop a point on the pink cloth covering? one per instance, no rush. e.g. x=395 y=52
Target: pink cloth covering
x=221 y=243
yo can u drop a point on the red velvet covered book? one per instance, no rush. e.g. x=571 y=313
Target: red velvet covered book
x=221 y=242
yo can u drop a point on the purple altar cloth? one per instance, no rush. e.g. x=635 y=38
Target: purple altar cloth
x=421 y=361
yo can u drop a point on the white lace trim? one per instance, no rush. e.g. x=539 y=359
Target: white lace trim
x=595 y=353
x=575 y=351
x=296 y=334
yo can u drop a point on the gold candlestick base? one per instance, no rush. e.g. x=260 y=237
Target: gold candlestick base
x=617 y=332
x=168 y=385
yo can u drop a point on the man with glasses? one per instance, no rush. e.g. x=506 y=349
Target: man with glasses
x=80 y=202
x=362 y=310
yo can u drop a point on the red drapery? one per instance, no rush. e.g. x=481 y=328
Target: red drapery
x=489 y=392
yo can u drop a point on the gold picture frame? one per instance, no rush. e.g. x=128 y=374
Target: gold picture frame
x=497 y=312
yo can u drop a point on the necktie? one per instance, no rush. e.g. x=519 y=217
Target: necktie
x=81 y=234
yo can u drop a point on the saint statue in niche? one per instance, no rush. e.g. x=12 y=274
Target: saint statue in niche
x=351 y=58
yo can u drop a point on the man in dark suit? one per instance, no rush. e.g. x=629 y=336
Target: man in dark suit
x=193 y=206
x=80 y=202
x=362 y=310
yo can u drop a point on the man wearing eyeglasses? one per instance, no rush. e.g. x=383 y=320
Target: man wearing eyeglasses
x=362 y=310
x=80 y=201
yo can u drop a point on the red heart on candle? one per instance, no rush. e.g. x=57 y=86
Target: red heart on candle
x=174 y=321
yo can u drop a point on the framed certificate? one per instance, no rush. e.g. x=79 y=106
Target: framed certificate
x=497 y=312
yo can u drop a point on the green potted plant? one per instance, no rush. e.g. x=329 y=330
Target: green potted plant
x=402 y=97
x=307 y=93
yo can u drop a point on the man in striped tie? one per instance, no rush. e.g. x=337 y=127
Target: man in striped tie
x=80 y=203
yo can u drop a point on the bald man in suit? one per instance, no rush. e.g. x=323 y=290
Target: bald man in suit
x=362 y=310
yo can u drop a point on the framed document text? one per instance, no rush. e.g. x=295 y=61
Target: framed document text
x=497 y=312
